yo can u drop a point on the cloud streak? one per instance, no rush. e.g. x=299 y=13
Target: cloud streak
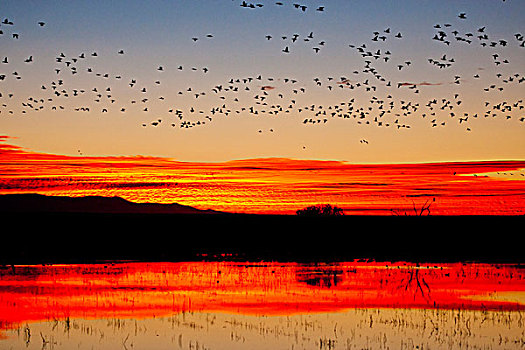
x=267 y=185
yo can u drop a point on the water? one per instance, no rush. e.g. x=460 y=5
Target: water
x=234 y=305
x=352 y=329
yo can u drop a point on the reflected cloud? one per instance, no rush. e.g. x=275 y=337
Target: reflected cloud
x=145 y=290
x=324 y=278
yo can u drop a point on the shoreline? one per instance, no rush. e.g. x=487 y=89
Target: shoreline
x=35 y=238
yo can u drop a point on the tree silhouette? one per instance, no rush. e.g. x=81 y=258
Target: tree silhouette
x=425 y=209
x=320 y=210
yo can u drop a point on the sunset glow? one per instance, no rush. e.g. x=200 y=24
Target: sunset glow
x=273 y=186
x=216 y=81
x=267 y=108
x=237 y=174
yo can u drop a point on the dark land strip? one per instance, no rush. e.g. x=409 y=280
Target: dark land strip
x=39 y=234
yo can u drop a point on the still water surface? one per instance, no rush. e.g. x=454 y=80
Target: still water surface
x=233 y=305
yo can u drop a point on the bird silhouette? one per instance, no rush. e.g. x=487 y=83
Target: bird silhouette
x=376 y=62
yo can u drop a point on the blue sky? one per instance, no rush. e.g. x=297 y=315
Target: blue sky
x=159 y=33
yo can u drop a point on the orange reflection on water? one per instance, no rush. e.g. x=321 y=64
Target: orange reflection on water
x=145 y=290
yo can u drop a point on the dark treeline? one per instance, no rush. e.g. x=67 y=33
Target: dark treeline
x=81 y=238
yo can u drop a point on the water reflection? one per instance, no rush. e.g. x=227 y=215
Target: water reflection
x=324 y=278
x=224 y=305
x=352 y=329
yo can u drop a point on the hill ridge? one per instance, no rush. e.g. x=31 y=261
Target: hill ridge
x=38 y=203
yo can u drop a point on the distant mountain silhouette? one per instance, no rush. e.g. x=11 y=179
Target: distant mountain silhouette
x=36 y=203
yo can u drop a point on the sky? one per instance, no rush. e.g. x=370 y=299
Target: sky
x=272 y=185
x=202 y=81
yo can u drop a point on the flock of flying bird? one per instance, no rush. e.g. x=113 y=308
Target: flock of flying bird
x=259 y=95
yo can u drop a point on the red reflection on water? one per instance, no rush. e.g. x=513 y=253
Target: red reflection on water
x=141 y=290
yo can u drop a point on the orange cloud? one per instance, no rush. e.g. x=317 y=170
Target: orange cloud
x=259 y=185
